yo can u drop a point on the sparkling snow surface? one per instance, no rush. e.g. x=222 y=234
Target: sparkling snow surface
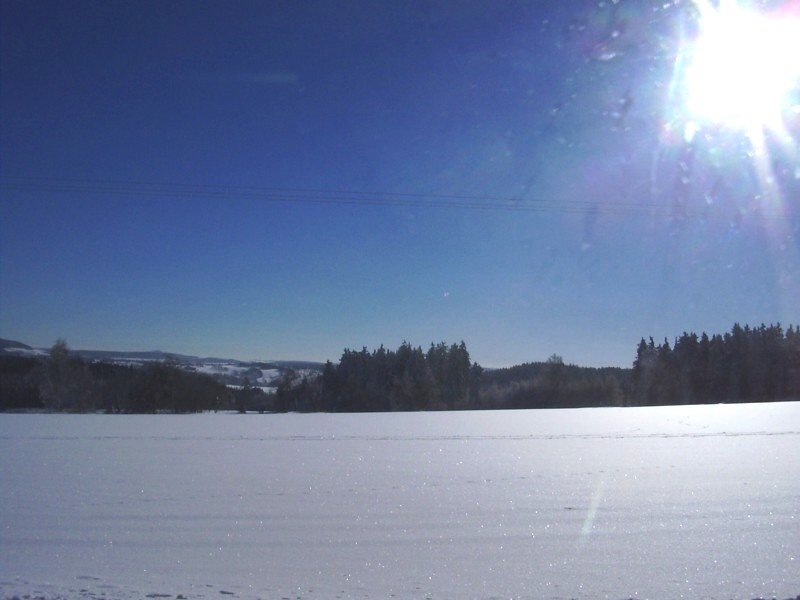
x=692 y=502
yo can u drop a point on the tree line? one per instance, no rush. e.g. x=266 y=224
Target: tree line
x=554 y=384
x=743 y=365
x=441 y=378
x=64 y=382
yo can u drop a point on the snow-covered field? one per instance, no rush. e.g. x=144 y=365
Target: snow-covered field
x=691 y=502
x=258 y=377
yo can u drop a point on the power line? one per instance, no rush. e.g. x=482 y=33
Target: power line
x=288 y=190
x=433 y=202
x=294 y=195
x=337 y=197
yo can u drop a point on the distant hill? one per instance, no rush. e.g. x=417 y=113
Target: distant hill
x=12 y=344
x=529 y=371
x=299 y=365
x=230 y=371
x=12 y=347
x=134 y=356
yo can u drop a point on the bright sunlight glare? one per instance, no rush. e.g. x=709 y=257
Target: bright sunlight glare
x=742 y=67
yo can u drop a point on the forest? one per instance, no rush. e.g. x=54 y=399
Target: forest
x=63 y=382
x=744 y=365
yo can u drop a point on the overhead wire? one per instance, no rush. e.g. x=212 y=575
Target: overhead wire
x=288 y=190
x=303 y=195
x=338 y=197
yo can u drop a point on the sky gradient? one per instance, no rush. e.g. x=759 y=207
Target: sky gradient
x=619 y=226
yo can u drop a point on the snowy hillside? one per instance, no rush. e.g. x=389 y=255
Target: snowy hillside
x=11 y=347
x=672 y=502
x=235 y=373
x=24 y=351
x=226 y=370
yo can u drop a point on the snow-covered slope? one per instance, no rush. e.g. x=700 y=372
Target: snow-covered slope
x=226 y=370
x=11 y=347
x=24 y=351
x=684 y=501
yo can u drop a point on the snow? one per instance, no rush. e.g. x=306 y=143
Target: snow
x=26 y=351
x=221 y=368
x=267 y=377
x=667 y=502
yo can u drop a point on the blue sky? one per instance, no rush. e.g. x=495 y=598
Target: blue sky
x=563 y=106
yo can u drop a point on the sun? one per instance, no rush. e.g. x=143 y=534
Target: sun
x=742 y=68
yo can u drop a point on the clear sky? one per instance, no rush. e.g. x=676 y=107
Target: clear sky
x=627 y=215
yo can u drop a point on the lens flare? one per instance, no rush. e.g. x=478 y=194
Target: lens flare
x=742 y=68
x=735 y=97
